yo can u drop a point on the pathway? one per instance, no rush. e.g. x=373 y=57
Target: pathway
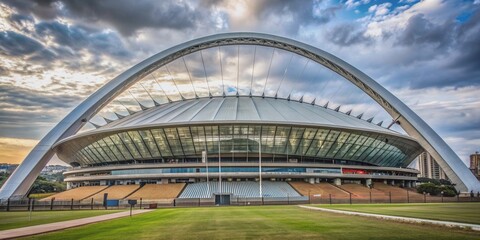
x=474 y=227
x=50 y=227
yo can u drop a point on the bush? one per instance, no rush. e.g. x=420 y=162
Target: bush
x=448 y=191
x=429 y=188
x=436 y=190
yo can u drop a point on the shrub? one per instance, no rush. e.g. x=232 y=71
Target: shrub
x=436 y=190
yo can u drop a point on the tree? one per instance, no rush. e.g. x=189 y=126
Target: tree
x=429 y=188
x=42 y=185
x=437 y=189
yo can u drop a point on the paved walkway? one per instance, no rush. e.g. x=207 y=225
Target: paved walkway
x=474 y=227
x=50 y=227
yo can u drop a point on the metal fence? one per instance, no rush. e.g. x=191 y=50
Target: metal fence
x=90 y=204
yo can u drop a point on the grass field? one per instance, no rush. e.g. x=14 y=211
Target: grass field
x=455 y=212
x=259 y=222
x=9 y=220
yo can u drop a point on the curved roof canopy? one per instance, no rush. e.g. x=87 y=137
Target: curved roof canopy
x=242 y=109
x=186 y=128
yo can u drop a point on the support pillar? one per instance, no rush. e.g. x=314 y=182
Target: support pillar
x=337 y=181
x=368 y=182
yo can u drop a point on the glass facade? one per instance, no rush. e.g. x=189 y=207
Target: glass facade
x=227 y=169
x=239 y=143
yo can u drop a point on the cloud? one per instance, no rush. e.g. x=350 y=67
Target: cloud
x=130 y=16
x=468 y=56
x=347 y=34
x=15 y=44
x=420 y=31
x=29 y=113
x=126 y=16
x=381 y=9
x=20 y=21
x=44 y=9
x=80 y=38
x=24 y=98
x=267 y=16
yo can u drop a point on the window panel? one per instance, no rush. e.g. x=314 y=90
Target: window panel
x=127 y=142
x=162 y=142
x=148 y=140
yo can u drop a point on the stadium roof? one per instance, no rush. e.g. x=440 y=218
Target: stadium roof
x=242 y=109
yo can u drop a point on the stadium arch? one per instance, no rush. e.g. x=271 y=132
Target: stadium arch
x=23 y=177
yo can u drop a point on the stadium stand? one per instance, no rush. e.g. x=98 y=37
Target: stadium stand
x=324 y=189
x=239 y=189
x=397 y=192
x=158 y=191
x=77 y=193
x=116 y=192
x=360 y=191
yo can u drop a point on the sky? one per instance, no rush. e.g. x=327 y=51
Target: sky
x=54 y=54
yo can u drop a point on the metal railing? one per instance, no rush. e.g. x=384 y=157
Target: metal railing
x=91 y=204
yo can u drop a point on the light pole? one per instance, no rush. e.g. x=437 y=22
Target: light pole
x=309 y=197
x=260 y=162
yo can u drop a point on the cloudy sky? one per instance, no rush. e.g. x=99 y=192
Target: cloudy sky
x=56 y=53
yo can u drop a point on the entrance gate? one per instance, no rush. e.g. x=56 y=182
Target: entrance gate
x=222 y=199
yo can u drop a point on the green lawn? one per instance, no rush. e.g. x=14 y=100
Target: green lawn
x=9 y=220
x=456 y=212
x=262 y=222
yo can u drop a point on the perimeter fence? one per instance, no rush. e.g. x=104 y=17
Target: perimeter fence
x=92 y=204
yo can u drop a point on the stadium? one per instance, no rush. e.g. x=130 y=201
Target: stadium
x=171 y=129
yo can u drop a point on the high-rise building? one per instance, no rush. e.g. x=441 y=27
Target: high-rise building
x=475 y=164
x=429 y=168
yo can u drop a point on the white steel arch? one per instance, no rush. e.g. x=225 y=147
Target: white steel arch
x=21 y=180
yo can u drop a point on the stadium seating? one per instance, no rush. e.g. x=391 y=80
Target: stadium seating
x=397 y=192
x=158 y=191
x=77 y=193
x=362 y=192
x=115 y=192
x=239 y=189
x=323 y=189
